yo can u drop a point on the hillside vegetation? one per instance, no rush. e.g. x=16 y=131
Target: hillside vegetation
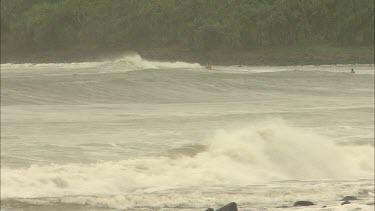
x=200 y=25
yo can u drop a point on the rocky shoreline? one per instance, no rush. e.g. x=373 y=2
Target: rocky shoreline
x=232 y=206
x=269 y=56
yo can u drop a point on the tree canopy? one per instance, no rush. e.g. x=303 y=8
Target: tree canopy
x=193 y=24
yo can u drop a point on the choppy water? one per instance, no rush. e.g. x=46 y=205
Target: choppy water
x=131 y=134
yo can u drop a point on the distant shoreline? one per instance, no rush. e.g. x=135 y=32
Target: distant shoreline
x=265 y=56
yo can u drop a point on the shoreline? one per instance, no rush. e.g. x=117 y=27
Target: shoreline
x=256 y=57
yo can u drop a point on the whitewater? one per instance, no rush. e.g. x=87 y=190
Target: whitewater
x=133 y=134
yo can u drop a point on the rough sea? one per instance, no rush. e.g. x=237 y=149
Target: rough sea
x=136 y=135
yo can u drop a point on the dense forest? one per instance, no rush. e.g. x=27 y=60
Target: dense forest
x=192 y=24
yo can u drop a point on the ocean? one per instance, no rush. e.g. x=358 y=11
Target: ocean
x=132 y=134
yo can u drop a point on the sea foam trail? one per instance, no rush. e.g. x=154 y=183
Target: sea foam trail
x=255 y=197
x=268 y=151
x=138 y=62
x=127 y=62
x=133 y=61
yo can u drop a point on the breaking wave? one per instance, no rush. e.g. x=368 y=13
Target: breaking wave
x=133 y=61
x=128 y=62
x=268 y=151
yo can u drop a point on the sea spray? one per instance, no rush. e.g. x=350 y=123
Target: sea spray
x=136 y=61
x=266 y=151
x=126 y=62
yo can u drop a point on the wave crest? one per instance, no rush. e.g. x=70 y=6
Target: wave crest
x=267 y=151
x=127 y=62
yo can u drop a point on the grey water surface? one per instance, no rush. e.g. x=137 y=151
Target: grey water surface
x=132 y=134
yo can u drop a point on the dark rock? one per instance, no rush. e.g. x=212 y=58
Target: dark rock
x=345 y=202
x=229 y=207
x=283 y=206
x=303 y=203
x=209 y=209
x=372 y=203
x=348 y=198
x=324 y=206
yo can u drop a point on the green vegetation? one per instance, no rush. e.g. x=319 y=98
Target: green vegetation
x=187 y=24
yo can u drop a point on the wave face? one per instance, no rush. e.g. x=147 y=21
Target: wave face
x=127 y=62
x=131 y=79
x=269 y=151
x=257 y=154
x=133 y=134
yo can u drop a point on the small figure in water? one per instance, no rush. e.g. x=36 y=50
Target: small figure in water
x=208 y=67
x=352 y=71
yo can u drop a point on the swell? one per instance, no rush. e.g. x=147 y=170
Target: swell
x=178 y=86
x=132 y=79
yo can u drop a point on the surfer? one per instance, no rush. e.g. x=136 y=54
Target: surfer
x=352 y=71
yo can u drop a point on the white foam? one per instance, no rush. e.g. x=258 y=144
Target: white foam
x=367 y=69
x=137 y=61
x=271 y=150
x=131 y=62
x=23 y=66
x=322 y=193
x=128 y=62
